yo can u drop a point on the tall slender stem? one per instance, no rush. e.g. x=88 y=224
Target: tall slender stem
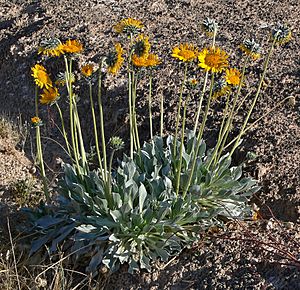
x=150 y=105
x=110 y=170
x=130 y=112
x=204 y=85
x=199 y=137
x=39 y=149
x=179 y=107
x=72 y=125
x=228 y=125
x=200 y=102
x=237 y=142
x=102 y=124
x=220 y=131
x=178 y=171
x=135 y=131
x=95 y=128
x=64 y=130
x=161 y=115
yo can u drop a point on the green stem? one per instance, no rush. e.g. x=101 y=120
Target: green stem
x=237 y=142
x=130 y=111
x=181 y=146
x=36 y=101
x=39 y=148
x=41 y=161
x=179 y=107
x=200 y=134
x=76 y=124
x=95 y=128
x=227 y=129
x=200 y=102
x=220 y=131
x=150 y=105
x=214 y=38
x=134 y=89
x=199 y=137
x=161 y=115
x=72 y=126
x=102 y=124
x=63 y=129
x=110 y=171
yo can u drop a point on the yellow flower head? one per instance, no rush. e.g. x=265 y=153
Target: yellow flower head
x=233 y=76
x=41 y=78
x=213 y=59
x=150 y=60
x=281 y=34
x=36 y=121
x=251 y=48
x=87 y=70
x=114 y=59
x=129 y=26
x=51 y=47
x=220 y=88
x=49 y=96
x=139 y=61
x=194 y=82
x=141 y=46
x=185 y=52
x=153 y=60
x=255 y=216
x=72 y=46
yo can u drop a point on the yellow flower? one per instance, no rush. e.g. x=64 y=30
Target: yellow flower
x=185 y=52
x=114 y=59
x=233 y=76
x=220 y=89
x=51 y=47
x=251 y=48
x=128 y=26
x=41 y=77
x=36 y=121
x=139 y=61
x=72 y=46
x=49 y=96
x=153 y=60
x=194 y=82
x=141 y=46
x=87 y=70
x=150 y=60
x=213 y=59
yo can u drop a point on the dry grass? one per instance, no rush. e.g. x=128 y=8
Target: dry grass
x=18 y=271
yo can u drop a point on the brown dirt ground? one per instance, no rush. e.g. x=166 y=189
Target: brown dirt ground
x=217 y=263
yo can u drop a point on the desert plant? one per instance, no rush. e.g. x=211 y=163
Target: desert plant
x=158 y=199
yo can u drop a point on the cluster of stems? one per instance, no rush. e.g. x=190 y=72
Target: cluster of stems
x=76 y=149
x=232 y=106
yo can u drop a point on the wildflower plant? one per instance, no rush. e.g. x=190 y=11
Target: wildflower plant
x=155 y=200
